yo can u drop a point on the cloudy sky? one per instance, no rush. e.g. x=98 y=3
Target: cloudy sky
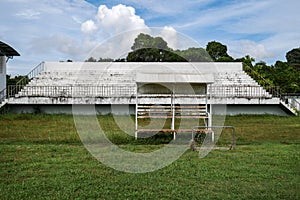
x=43 y=30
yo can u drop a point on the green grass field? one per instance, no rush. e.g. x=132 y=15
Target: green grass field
x=42 y=157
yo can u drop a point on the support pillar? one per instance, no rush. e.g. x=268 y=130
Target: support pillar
x=210 y=113
x=136 y=113
x=173 y=113
x=2 y=73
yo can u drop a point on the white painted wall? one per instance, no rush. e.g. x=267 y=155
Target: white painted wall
x=130 y=109
x=2 y=73
x=156 y=99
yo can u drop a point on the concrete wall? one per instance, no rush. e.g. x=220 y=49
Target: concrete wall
x=130 y=109
x=249 y=109
x=150 y=99
x=67 y=109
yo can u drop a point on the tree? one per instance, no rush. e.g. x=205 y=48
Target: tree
x=153 y=55
x=247 y=61
x=194 y=55
x=216 y=50
x=155 y=49
x=144 y=55
x=286 y=77
x=105 y=60
x=151 y=49
x=293 y=58
x=225 y=59
x=120 y=60
x=146 y=41
x=14 y=80
x=91 y=59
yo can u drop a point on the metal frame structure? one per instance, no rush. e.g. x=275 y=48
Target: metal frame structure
x=172 y=111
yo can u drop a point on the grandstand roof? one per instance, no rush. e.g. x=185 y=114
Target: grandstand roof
x=6 y=50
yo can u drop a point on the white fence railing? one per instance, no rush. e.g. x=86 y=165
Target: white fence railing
x=127 y=90
x=72 y=91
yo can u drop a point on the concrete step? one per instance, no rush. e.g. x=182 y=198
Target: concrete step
x=288 y=108
x=3 y=103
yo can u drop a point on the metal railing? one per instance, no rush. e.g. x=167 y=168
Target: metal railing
x=230 y=91
x=273 y=90
x=26 y=79
x=72 y=91
x=292 y=100
x=128 y=90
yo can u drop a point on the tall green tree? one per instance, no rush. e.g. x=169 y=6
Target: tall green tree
x=194 y=55
x=146 y=41
x=286 y=77
x=216 y=50
x=246 y=60
x=152 y=49
x=154 y=55
x=144 y=55
x=293 y=58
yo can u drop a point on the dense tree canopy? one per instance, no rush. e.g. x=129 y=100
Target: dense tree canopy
x=247 y=61
x=92 y=59
x=218 y=51
x=194 y=55
x=155 y=49
x=281 y=75
x=293 y=58
x=14 y=80
x=144 y=41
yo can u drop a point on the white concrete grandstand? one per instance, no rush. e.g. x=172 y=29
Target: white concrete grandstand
x=67 y=83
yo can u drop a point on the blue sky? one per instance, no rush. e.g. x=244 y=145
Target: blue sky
x=57 y=30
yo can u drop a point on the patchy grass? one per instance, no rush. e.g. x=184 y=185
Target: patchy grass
x=265 y=128
x=42 y=158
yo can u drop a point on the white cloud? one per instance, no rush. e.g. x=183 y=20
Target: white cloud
x=121 y=25
x=241 y=48
x=49 y=30
x=279 y=44
x=116 y=28
x=88 y=27
x=115 y=20
x=28 y=14
x=169 y=34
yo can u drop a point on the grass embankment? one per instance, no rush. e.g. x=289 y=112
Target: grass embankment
x=42 y=157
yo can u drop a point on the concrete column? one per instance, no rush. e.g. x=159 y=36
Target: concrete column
x=2 y=73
